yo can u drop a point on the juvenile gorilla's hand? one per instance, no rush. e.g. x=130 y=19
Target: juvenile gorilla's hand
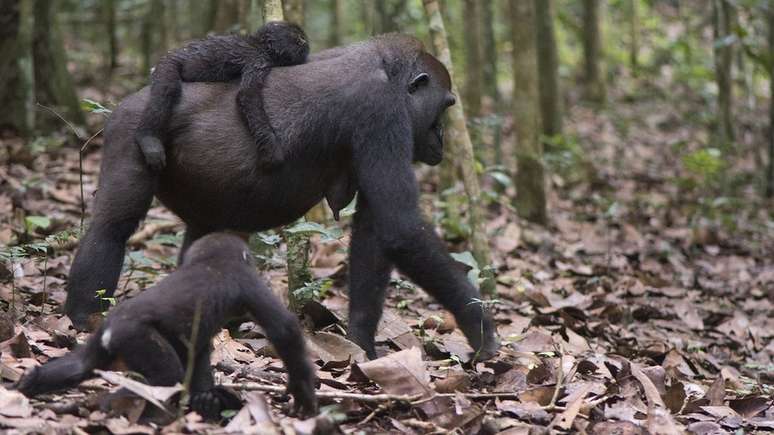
x=304 y=399
x=209 y=404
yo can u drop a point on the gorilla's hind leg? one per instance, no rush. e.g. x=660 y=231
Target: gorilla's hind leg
x=65 y=372
x=145 y=351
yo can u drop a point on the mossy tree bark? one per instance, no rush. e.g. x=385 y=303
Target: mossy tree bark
x=593 y=75
x=461 y=147
x=530 y=200
x=548 y=69
x=53 y=84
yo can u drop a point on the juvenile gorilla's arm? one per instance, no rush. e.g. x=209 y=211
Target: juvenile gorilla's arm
x=387 y=182
x=283 y=331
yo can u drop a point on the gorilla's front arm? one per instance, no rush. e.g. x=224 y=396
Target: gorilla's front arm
x=353 y=117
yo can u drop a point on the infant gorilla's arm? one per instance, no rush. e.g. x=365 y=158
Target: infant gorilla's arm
x=219 y=59
x=148 y=333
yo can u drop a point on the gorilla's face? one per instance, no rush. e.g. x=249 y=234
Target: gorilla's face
x=430 y=94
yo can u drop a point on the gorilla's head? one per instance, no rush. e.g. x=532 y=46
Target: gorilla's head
x=429 y=94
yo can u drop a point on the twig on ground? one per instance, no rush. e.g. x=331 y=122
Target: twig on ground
x=252 y=386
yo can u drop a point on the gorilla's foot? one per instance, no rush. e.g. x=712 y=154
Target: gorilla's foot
x=362 y=339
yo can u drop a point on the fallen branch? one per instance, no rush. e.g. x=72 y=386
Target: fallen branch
x=253 y=386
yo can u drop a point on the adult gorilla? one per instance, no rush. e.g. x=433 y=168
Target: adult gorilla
x=352 y=119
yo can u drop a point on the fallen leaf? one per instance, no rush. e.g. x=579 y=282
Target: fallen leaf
x=153 y=394
x=14 y=404
x=330 y=347
x=567 y=417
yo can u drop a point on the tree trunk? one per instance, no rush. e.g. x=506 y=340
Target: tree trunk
x=154 y=35
x=226 y=16
x=367 y=12
x=53 y=84
x=770 y=175
x=298 y=268
x=634 y=36
x=721 y=14
x=109 y=18
x=336 y=23
x=490 y=53
x=592 y=52
x=461 y=147
x=272 y=10
x=530 y=200
x=13 y=92
x=473 y=65
x=204 y=14
x=389 y=13
x=173 y=22
x=294 y=11
x=548 y=68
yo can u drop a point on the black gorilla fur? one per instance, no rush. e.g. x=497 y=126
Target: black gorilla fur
x=351 y=119
x=149 y=333
x=221 y=59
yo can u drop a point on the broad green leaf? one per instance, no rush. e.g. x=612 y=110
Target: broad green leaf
x=465 y=258
x=33 y=222
x=94 y=106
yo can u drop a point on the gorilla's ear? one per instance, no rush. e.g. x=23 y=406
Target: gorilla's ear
x=416 y=82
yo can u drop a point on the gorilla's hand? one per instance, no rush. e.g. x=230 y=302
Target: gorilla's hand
x=209 y=404
x=304 y=399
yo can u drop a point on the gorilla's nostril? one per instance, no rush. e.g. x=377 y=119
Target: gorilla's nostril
x=450 y=100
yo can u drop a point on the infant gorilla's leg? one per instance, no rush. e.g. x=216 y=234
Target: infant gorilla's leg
x=251 y=106
x=164 y=93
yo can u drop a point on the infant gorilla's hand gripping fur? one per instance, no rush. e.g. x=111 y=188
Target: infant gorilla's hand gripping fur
x=220 y=59
x=216 y=282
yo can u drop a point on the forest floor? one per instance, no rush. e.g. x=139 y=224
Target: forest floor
x=644 y=305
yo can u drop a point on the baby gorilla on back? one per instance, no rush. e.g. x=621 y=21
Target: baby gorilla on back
x=219 y=59
x=216 y=282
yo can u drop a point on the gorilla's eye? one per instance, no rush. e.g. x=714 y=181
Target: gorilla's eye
x=416 y=82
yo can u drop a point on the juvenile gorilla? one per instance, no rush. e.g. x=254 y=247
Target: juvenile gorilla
x=352 y=119
x=149 y=333
x=220 y=59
